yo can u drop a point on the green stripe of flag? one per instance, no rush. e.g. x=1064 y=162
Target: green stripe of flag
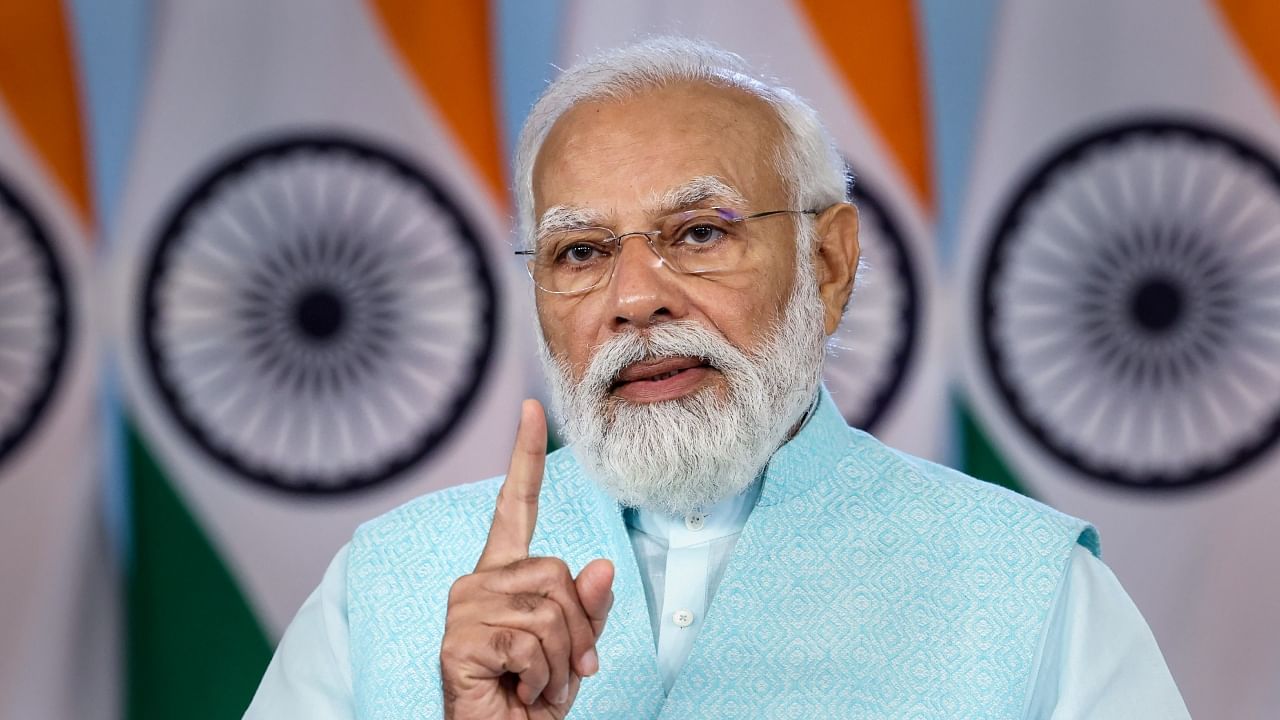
x=981 y=459
x=195 y=649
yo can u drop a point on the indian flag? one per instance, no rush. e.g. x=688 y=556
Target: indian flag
x=1120 y=306
x=315 y=310
x=859 y=66
x=58 y=581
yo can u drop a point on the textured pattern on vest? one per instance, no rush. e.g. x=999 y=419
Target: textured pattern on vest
x=866 y=584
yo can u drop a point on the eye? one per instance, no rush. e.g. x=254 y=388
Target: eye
x=701 y=235
x=580 y=253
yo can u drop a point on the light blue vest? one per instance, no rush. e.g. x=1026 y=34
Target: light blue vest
x=866 y=584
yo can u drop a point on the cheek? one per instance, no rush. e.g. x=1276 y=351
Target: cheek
x=744 y=317
x=564 y=338
x=768 y=298
x=773 y=276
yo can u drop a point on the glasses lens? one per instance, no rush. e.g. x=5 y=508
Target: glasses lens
x=700 y=241
x=574 y=260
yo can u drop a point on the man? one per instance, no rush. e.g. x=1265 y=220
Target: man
x=739 y=551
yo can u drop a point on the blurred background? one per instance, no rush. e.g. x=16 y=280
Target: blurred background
x=256 y=287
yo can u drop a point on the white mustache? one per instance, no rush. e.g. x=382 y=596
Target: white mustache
x=676 y=338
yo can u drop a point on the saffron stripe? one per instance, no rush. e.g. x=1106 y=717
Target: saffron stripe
x=875 y=47
x=446 y=46
x=39 y=84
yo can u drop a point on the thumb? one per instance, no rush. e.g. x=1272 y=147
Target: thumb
x=595 y=592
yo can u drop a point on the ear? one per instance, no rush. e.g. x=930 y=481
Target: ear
x=836 y=259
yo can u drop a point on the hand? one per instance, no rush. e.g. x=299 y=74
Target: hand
x=520 y=632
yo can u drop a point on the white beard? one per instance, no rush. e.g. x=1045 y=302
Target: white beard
x=681 y=455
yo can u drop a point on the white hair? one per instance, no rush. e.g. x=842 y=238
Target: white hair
x=806 y=159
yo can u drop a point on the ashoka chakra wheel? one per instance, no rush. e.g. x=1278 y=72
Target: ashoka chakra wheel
x=1130 y=304
x=317 y=314
x=35 y=322
x=877 y=337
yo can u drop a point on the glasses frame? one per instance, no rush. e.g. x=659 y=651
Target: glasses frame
x=730 y=215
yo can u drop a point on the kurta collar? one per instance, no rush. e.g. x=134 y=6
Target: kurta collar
x=720 y=520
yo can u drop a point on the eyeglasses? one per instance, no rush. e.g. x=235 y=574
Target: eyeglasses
x=692 y=242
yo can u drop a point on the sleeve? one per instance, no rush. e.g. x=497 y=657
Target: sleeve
x=1099 y=659
x=310 y=674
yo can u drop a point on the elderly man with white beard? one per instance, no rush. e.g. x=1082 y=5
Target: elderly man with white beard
x=715 y=542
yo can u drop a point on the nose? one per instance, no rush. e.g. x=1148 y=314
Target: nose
x=642 y=291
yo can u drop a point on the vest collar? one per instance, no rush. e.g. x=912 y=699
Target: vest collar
x=819 y=445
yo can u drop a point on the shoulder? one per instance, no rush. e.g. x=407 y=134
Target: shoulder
x=457 y=516
x=960 y=499
x=436 y=536
x=440 y=512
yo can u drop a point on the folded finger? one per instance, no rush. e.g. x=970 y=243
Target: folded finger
x=542 y=618
x=521 y=653
x=550 y=578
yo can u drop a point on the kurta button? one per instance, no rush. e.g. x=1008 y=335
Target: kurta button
x=682 y=618
x=695 y=521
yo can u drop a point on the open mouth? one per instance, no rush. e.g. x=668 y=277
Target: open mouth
x=664 y=379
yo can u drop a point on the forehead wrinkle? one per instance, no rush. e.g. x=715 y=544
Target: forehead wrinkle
x=695 y=192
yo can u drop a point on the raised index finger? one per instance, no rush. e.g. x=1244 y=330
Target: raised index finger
x=516 y=511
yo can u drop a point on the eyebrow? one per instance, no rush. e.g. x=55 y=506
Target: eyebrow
x=568 y=217
x=702 y=190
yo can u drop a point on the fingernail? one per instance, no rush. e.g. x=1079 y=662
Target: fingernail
x=590 y=663
x=562 y=696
